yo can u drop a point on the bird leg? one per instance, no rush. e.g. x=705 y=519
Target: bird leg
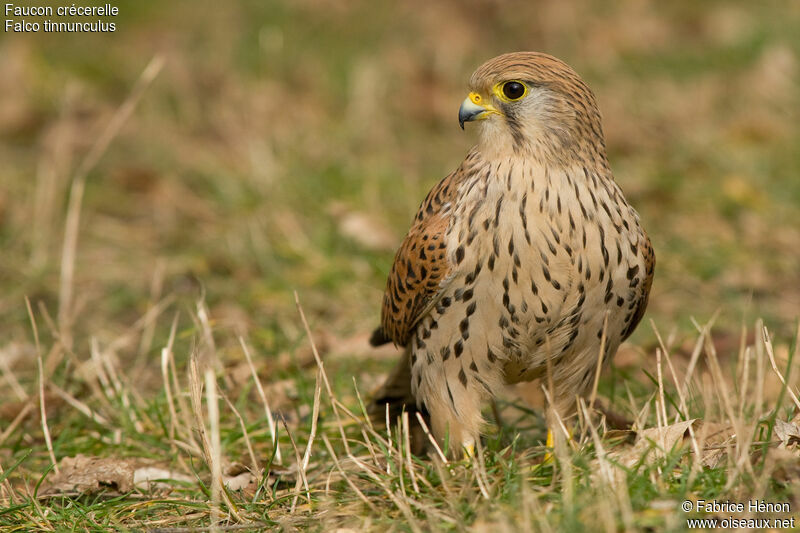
x=459 y=431
x=558 y=435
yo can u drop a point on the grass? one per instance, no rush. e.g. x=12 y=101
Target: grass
x=158 y=222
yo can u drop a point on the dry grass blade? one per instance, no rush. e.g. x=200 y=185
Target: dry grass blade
x=678 y=389
x=120 y=389
x=430 y=437
x=43 y=412
x=264 y=402
x=301 y=475
x=696 y=351
x=344 y=475
x=253 y=526
x=606 y=468
x=662 y=402
x=479 y=467
x=600 y=353
x=253 y=461
x=42 y=408
x=71 y=226
x=321 y=366
x=216 y=447
x=166 y=354
x=209 y=455
x=771 y=355
x=23 y=413
x=80 y=406
x=11 y=379
x=314 y=419
x=407 y=454
x=148 y=332
x=612 y=478
x=402 y=505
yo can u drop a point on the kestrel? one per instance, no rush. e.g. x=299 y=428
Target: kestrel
x=528 y=252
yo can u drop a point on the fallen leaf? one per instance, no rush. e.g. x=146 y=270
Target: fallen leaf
x=84 y=474
x=787 y=433
x=658 y=439
x=715 y=438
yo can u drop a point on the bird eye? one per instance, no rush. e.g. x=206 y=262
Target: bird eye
x=513 y=90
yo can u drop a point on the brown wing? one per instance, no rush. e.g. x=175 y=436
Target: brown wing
x=421 y=263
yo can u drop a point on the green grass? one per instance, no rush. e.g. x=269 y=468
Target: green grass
x=229 y=186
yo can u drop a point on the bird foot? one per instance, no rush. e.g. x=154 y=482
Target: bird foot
x=468 y=447
x=550 y=444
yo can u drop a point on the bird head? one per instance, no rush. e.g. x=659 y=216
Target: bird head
x=532 y=104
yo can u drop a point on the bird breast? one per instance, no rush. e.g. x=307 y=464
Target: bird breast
x=547 y=253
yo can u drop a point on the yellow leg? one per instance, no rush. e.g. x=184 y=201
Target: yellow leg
x=469 y=450
x=549 y=444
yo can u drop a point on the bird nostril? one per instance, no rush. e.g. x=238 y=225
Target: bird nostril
x=475 y=97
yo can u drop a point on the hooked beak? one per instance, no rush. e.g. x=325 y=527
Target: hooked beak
x=472 y=108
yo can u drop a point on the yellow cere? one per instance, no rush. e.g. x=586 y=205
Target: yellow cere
x=489 y=109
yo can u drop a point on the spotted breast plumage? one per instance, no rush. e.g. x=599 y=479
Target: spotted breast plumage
x=526 y=257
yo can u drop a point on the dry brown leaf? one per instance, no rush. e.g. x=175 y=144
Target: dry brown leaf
x=84 y=474
x=714 y=436
x=787 y=433
x=656 y=439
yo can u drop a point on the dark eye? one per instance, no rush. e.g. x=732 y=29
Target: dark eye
x=513 y=90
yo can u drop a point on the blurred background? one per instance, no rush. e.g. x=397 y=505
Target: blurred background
x=286 y=146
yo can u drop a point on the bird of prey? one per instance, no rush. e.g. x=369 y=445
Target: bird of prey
x=526 y=260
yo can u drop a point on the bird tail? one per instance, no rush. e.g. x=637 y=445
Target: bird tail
x=378 y=337
x=396 y=394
